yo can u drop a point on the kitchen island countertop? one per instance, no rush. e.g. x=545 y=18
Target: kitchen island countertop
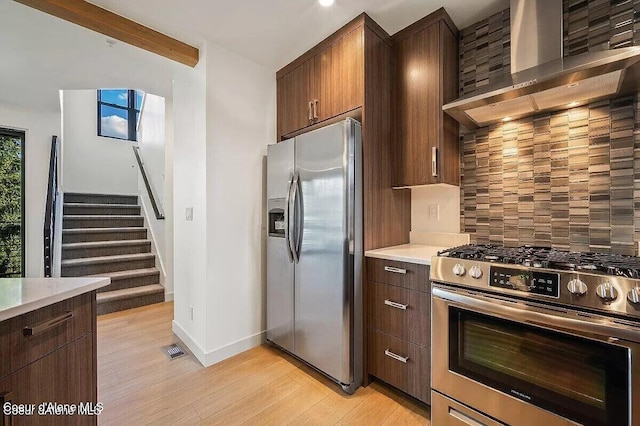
x=21 y=295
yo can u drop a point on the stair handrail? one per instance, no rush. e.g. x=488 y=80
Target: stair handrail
x=153 y=196
x=50 y=209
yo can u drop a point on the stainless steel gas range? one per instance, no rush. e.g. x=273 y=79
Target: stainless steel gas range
x=535 y=336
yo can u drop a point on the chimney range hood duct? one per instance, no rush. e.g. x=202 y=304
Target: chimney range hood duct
x=541 y=78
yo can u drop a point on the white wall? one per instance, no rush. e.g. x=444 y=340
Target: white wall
x=224 y=117
x=168 y=198
x=153 y=141
x=39 y=126
x=92 y=163
x=240 y=124
x=447 y=200
x=189 y=182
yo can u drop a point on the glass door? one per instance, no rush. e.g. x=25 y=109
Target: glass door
x=583 y=380
x=11 y=203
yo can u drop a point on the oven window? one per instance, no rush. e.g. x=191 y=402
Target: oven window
x=583 y=380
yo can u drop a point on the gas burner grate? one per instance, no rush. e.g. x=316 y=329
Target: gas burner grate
x=550 y=258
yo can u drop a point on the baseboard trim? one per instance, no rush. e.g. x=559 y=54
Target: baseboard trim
x=213 y=357
x=168 y=296
x=186 y=338
x=235 y=348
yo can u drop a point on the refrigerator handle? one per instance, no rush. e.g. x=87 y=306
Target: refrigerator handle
x=297 y=216
x=287 y=220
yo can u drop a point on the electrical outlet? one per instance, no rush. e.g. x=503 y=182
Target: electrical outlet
x=191 y=309
x=189 y=213
x=434 y=211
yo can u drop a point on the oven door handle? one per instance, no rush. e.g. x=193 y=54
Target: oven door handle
x=557 y=319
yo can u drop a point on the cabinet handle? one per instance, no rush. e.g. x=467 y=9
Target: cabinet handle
x=395 y=304
x=397 y=357
x=395 y=270
x=310 y=111
x=5 y=419
x=315 y=109
x=434 y=161
x=40 y=328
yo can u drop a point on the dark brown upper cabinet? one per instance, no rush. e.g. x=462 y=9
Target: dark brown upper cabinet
x=294 y=98
x=349 y=74
x=425 y=140
x=329 y=83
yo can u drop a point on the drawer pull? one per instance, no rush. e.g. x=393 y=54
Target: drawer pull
x=40 y=328
x=395 y=304
x=397 y=357
x=395 y=270
x=462 y=417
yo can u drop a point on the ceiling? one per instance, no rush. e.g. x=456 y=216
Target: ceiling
x=42 y=54
x=274 y=32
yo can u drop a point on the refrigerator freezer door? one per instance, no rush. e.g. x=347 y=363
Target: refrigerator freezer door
x=280 y=267
x=279 y=168
x=323 y=290
x=279 y=294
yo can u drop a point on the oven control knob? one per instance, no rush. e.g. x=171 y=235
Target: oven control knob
x=577 y=287
x=607 y=292
x=475 y=272
x=459 y=270
x=634 y=296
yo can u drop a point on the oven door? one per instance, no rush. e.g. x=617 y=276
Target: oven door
x=527 y=364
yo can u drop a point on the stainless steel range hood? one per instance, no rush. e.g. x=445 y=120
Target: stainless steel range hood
x=542 y=79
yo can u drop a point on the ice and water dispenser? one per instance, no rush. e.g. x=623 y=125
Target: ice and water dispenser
x=276 y=217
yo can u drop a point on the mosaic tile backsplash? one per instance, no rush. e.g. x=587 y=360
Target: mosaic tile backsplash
x=568 y=179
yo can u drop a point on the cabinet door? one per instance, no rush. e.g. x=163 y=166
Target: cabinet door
x=294 y=94
x=65 y=376
x=417 y=107
x=339 y=76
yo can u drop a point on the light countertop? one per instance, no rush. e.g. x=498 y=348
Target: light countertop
x=22 y=295
x=412 y=253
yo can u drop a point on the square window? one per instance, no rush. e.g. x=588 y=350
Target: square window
x=118 y=113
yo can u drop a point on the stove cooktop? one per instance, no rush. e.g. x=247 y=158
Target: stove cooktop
x=602 y=282
x=550 y=258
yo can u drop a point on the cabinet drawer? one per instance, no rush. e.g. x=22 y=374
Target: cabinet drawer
x=401 y=364
x=445 y=411
x=400 y=312
x=65 y=376
x=403 y=274
x=35 y=334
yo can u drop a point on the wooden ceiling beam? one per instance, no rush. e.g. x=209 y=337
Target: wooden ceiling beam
x=95 y=18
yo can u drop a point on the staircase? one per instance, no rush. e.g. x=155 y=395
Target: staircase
x=104 y=236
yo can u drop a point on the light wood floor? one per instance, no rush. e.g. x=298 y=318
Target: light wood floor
x=139 y=385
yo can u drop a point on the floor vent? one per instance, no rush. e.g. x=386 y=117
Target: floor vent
x=174 y=351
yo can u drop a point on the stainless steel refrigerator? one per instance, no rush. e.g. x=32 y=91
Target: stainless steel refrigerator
x=314 y=250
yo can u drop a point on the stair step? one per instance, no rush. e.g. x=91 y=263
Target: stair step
x=101 y=221
x=130 y=278
x=128 y=298
x=100 y=209
x=80 y=235
x=74 y=197
x=104 y=248
x=104 y=264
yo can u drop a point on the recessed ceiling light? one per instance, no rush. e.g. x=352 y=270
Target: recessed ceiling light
x=326 y=3
x=506 y=119
x=572 y=85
